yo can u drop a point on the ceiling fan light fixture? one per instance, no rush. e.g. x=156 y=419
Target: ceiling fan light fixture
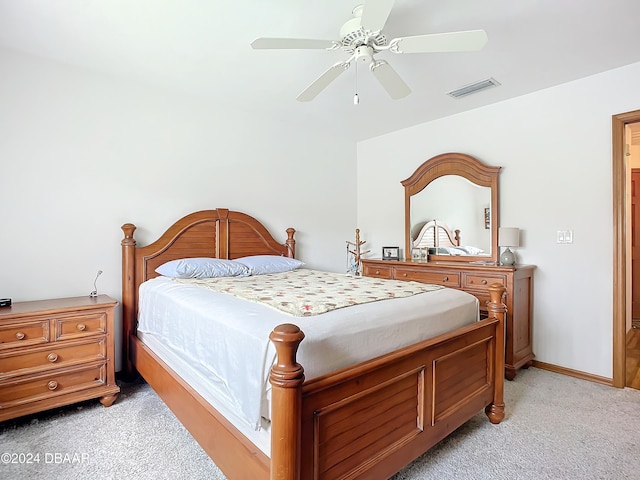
x=474 y=88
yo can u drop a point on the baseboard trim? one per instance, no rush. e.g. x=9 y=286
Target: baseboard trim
x=573 y=373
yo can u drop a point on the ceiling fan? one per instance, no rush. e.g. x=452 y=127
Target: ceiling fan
x=362 y=38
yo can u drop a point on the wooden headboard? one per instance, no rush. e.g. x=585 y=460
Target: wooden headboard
x=436 y=233
x=219 y=233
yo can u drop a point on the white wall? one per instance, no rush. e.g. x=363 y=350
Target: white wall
x=83 y=153
x=554 y=147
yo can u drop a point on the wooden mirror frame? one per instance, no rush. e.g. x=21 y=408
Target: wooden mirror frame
x=454 y=164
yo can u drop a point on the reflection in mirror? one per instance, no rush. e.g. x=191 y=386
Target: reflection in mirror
x=448 y=217
x=451 y=208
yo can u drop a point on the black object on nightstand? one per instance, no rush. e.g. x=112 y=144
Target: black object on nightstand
x=5 y=302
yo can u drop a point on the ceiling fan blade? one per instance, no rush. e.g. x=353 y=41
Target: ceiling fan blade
x=440 y=42
x=292 y=43
x=375 y=14
x=389 y=79
x=322 y=82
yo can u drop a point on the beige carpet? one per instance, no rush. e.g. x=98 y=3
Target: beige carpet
x=556 y=427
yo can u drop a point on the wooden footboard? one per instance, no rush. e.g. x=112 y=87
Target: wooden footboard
x=371 y=420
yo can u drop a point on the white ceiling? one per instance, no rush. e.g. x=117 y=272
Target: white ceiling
x=202 y=47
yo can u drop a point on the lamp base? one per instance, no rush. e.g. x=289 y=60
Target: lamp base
x=507 y=258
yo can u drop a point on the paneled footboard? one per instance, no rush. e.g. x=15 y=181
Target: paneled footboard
x=371 y=420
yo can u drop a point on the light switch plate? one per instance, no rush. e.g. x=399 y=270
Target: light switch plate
x=564 y=236
x=568 y=236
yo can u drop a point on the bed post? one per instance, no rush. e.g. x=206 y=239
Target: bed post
x=291 y=243
x=286 y=378
x=497 y=309
x=128 y=296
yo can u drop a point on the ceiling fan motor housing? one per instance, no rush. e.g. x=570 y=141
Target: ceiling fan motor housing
x=353 y=35
x=364 y=54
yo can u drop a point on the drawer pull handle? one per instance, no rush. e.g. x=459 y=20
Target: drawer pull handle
x=445 y=279
x=52 y=357
x=82 y=327
x=484 y=282
x=20 y=335
x=404 y=274
x=52 y=385
x=377 y=272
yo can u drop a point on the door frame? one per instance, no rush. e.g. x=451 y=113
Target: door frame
x=620 y=253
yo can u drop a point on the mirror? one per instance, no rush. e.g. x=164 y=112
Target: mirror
x=451 y=208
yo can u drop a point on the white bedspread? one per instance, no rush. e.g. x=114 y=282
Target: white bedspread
x=226 y=338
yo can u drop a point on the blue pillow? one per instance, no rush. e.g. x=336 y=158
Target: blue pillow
x=202 y=268
x=263 y=264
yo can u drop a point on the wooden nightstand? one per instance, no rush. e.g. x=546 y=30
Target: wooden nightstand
x=56 y=352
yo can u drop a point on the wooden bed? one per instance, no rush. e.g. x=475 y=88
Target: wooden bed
x=365 y=421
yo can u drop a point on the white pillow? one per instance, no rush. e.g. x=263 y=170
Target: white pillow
x=202 y=268
x=471 y=250
x=262 y=264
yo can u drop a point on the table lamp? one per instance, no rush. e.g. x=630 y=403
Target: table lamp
x=508 y=237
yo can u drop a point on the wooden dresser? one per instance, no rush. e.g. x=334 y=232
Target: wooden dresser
x=56 y=352
x=475 y=279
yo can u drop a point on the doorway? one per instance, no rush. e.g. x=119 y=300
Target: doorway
x=622 y=288
x=635 y=239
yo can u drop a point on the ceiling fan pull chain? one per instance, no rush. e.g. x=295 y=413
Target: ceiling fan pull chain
x=356 y=98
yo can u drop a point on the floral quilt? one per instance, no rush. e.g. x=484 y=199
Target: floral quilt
x=305 y=292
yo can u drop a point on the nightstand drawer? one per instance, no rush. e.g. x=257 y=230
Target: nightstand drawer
x=51 y=356
x=377 y=271
x=78 y=326
x=23 y=334
x=482 y=281
x=33 y=388
x=446 y=278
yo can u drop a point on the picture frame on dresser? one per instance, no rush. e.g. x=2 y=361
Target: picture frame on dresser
x=419 y=254
x=390 y=253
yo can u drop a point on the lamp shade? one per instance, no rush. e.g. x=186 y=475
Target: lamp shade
x=508 y=237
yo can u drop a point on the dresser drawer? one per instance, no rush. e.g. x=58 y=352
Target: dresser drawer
x=438 y=277
x=22 y=334
x=38 y=387
x=376 y=271
x=54 y=355
x=482 y=281
x=78 y=326
x=483 y=299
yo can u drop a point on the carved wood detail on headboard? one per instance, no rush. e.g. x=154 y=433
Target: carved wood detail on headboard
x=219 y=233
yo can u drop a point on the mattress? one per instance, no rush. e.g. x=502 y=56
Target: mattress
x=220 y=343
